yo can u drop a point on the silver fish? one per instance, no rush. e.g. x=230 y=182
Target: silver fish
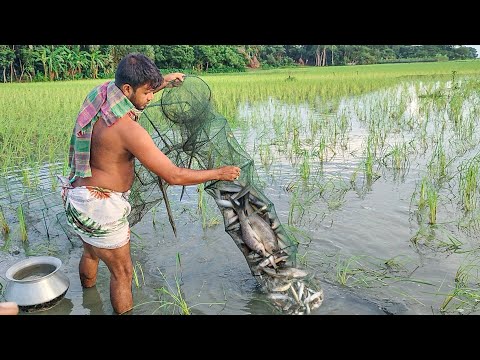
x=224 y=203
x=263 y=230
x=229 y=188
x=249 y=236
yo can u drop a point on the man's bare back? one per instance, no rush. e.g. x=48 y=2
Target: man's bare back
x=112 y=165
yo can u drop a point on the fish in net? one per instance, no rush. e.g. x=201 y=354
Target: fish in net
x=186 y=127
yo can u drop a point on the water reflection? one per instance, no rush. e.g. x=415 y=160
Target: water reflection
x=92 y=301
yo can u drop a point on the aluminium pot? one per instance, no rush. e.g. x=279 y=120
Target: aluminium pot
x=36 y=283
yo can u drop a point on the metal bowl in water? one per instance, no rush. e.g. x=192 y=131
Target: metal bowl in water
x=36 y=283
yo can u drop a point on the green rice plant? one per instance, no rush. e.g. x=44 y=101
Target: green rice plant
x=22 y=224
x=399 y=161
x=422 y=200
x=135 y=274
x=302 y=199
x=302 y=259
x=305 y=166
x=332 y=191
x=266 y=156
x=322 y=151
x=3 y=223
x=172 y=298
x=296 y=143
x=344 y=270
x=424 y=235
x=295 y=203
x=469 y=183
x=438 y=163
x=370 y=272
x=369 y=161
x=175 y=299
x=44 y=249
x=154 y=215
x=432 y=202
x=427 y=197
x=26 y=178
x=437 y=237
x=466 y=291
x=201 y=204
x=138 y=245
x=209 y=219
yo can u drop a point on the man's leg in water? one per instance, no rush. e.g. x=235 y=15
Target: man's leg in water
x=119 y=263
x=88 y=266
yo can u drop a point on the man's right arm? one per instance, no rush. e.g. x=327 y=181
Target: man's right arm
x=140 y=144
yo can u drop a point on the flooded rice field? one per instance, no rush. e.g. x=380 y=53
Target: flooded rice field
x=380 y=191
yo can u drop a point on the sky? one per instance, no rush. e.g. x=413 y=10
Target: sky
x=476 y=47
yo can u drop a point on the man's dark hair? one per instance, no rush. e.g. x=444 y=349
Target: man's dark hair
x=136 y=69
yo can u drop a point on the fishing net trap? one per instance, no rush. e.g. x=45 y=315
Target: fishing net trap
x=192 y=134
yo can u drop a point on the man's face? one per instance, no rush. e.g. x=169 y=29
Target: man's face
x=141 y=97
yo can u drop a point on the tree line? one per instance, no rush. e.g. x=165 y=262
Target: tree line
x=23 y=63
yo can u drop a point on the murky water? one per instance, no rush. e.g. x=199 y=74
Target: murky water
x=357 y=232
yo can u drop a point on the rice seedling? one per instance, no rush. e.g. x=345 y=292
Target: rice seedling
x=422 y=200
x=201 y=206
x=305 y=166
x=432 y=202
x=344 y=270
x=47 y=249
x=369 y=161
x=469 y=184
x=171 y=297
x=3 y=223
x=22 y=224
x=427 y=197
x=266 y=157
x=135 y=274
x=399 y=161
x=466 y=294
x=154 y=215
x=204 y=207
x=439 y=163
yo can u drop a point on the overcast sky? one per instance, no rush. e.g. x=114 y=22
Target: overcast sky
x=476 y=47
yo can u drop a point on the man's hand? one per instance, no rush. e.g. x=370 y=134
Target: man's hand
x=8 y=308
x=228 y=173
x=174 y=79
x=171 y=80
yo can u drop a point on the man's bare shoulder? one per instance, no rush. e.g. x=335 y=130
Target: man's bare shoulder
x=131 y=134
x=125 y=126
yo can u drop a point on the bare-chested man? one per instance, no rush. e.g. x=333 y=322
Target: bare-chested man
x=105 y=141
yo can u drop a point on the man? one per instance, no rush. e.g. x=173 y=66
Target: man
x=105 y=141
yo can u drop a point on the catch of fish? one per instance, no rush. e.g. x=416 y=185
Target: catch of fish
x=258 y=233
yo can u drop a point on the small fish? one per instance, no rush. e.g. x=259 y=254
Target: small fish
x=281 y=288
x=265 y=232
x=256 y=201
x=249 y=236
x=313 y=297
x=301 y=286
x=231 y=188
x=224 y=203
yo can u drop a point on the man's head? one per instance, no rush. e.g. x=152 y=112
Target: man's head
x=138 y=76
